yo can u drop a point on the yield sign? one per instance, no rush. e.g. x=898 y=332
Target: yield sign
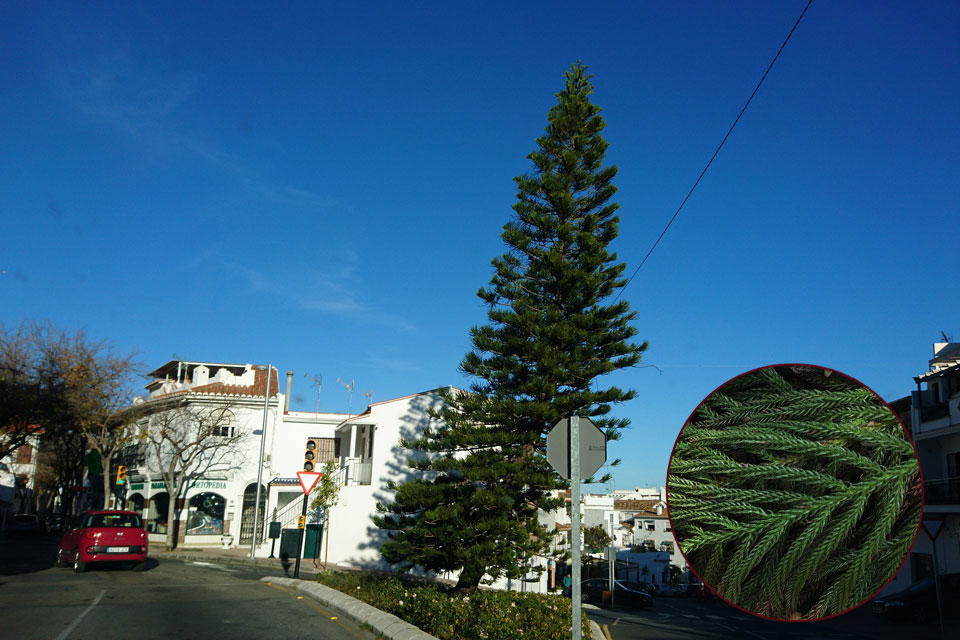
x=308 y=480
x=932 y=527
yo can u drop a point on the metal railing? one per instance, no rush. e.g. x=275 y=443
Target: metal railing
x=943 y=491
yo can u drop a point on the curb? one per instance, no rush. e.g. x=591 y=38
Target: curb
x=385 y=624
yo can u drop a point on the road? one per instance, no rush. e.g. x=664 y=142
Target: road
x=688 y=619
x=171 y=599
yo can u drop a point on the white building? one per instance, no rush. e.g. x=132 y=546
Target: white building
x=18 y=479
x=932 y=413
x=219 y=504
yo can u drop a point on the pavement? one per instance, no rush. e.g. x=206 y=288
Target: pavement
x=385 y=624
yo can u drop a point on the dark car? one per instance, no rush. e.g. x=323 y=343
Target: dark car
x=24 y=524
x=104 y=536
x=592 y=591
x=918 y=602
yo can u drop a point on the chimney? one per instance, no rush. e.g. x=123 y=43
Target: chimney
x=286 y=399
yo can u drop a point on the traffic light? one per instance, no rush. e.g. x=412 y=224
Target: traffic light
x=310 y=455
x=301 y=522
x=121 y=474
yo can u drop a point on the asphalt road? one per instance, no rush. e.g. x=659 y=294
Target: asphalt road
x=689 y=619
x=171 y=599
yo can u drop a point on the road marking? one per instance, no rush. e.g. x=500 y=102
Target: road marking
x=606 y=632
x=210 y=565
x=73 y=625
x=687 y=615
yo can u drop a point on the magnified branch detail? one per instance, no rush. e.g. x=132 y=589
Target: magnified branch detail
x=794 y=492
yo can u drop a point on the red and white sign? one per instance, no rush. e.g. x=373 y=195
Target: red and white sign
x=932 y=527
x=308 y=480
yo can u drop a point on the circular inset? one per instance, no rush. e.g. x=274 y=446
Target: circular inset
x=794 y=492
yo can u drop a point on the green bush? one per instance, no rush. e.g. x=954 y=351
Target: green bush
x=439 y=611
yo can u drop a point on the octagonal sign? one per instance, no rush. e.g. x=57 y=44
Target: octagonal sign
x=593 y=448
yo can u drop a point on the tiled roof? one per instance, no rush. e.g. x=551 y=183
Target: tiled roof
x=257 y=389
x=637 y=505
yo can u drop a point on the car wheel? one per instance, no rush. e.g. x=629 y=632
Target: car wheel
x=78 y=567
x=140 y=566
x=60 y=561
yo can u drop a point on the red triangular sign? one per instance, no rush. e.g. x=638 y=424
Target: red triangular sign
x=932 y=527
x=308 y=480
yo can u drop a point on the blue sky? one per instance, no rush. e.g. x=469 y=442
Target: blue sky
x=323 y=187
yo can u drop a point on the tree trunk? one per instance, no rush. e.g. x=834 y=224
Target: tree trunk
x=469 y=579
x=106 y=487
x=171 y=519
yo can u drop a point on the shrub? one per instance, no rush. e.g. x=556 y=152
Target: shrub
x=440 y=611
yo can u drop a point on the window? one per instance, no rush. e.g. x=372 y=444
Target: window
x=205 y=514
x=223 y=423
x=115 y=521
x=24 y=454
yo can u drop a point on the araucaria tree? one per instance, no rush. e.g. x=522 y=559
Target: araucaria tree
x=552 y=332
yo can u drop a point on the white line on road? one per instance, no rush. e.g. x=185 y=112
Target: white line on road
x=73 y=625
x=210 y=565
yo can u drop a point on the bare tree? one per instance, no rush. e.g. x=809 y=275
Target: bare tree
x=22 y=394
x=188 y=438
x=96 y=387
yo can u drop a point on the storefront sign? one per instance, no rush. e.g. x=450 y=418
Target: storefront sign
x=136 y=487
x=209 y=484
x=196 y=484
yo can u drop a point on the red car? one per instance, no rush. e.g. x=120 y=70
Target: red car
x=104 y=536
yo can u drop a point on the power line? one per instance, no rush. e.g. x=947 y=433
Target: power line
x=720 y=146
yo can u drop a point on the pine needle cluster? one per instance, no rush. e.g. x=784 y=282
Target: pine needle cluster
x=794 y=492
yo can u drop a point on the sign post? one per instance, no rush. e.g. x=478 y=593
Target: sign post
x=308 y=480
x=932 y=528
x=575 y=446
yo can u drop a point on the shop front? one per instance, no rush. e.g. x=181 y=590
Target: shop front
x=202 y=512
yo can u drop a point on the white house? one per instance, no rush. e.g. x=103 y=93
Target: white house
x=18 y=478
x=932 y=414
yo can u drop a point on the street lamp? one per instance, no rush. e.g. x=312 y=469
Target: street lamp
x=263 y=435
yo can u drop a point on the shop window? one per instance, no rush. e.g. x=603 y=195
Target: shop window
x=159 y=505
x=205 y=514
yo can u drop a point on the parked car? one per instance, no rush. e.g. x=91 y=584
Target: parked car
x=691 y=590
x=592 y=591
x=667 y=590
x=918 y=602
x=104 y=536
x=25 y=524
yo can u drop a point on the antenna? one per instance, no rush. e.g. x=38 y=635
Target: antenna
x=944 y=336
x=349 y=385
x=369 y=395
x=317 y=382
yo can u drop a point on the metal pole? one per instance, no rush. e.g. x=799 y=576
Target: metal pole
x=575 y=525
x=936 y=583
x=303 y=512
x=263 y=435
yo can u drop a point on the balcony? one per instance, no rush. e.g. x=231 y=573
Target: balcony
x=943 y=491
x=934 y=412
x=355 y=472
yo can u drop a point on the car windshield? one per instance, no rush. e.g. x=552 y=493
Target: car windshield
x=125 y=520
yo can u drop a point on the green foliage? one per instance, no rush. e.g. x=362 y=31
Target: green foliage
x=326 y=494
x=794 y=492
x=450 y=615
x=549 y=337
x=596 y=538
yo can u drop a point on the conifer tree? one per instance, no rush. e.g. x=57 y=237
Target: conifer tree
x=552 y=332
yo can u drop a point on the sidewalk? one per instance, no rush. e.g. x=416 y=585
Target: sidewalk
x=235 y=555
x=385 y=624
